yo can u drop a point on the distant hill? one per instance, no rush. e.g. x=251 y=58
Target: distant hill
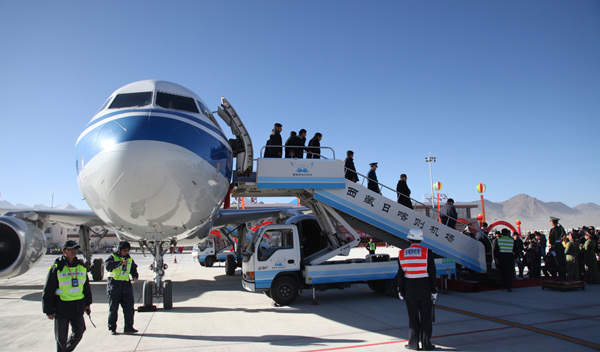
x=535 y=214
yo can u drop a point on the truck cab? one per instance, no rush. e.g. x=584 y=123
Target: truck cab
x=282 y=259
x=210 y=252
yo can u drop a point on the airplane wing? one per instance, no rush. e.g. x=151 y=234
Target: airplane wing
x=71 y=217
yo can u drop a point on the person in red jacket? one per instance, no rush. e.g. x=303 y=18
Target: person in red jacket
x=418 y=288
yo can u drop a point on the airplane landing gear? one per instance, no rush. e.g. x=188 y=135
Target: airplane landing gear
x=158 y=288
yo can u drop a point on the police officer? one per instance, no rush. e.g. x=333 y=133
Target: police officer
x=417 y=286
x=504 y=256
x=119 y=266
x=371 y=246
x=373 y=184
x=556 y=237
x=66 y=296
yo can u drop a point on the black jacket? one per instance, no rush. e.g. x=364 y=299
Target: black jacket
x=315 y=149
x=372 y=183
x=293 y=147
x=448 y=215
x=274 y=139
x=350 y=170
x=52 y=304
x=404 y=194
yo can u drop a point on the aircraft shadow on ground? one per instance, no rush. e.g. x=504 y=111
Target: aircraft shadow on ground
x=278 y=340
x=342 y=306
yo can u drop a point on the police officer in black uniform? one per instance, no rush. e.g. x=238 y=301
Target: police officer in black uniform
x=66 y=296
x=120 y=266
x=557 y=250
x=418 y=286
x=373 y=184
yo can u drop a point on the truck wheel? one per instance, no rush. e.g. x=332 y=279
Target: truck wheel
x=377 y=285
x=168 y=294
x=209 y=261
x=97 y=270
x=202 y=264
x=267 y=293
x=284 y=290
x=230 y=265
x=147 y=293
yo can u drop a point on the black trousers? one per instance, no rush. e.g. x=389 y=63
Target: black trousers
x=419 y=321
x=506 y=265
x=124 y=298
x=561 y=263
x=61 y=332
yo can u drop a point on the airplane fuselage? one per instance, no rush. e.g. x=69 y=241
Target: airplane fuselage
x=153 y=163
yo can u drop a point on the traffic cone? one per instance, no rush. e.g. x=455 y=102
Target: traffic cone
x=175 y=261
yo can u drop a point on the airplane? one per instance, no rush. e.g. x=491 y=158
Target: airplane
x=155 y=167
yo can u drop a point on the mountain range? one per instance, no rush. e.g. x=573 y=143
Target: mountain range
x=532 y=212
x=535 y=214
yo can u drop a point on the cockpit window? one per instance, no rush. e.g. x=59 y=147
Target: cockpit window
x=128 y=100
x=105 y=104
x=206 y=112
x=176 y=102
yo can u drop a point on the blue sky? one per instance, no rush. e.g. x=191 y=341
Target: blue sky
x=506 y=93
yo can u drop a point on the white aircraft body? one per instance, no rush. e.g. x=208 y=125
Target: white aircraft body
x=154 y=166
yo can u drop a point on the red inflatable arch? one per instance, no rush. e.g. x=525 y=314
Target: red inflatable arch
x=500 y=222
x=463 y=221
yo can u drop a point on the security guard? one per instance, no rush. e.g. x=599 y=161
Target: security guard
x=555 y=239
x=505 y=262
x=119 y=266
x=371 y=246
x=66 y=296
x=417 y=283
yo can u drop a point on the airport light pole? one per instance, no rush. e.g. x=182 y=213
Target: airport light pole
x=430 y=160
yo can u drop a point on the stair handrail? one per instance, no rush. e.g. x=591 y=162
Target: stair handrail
x=397 y=193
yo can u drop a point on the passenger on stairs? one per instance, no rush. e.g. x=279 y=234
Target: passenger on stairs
x=448 y=214
x=275 y=141
x=349 y=167
x=404 y=192
x=314 y=150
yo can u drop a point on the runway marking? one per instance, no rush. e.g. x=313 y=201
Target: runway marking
x=530 y=327
x=510 y=324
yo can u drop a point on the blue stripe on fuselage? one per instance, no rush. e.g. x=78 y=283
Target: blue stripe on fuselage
x=159 y=111
x=144 y=126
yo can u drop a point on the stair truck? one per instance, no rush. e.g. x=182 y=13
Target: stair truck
x=283 y=259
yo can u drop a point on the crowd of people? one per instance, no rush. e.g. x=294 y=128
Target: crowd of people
x=295 y=145
x=562 y=255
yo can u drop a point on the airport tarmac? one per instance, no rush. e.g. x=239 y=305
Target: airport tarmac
x=213 y=313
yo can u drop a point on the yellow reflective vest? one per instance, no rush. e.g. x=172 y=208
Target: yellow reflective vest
x=66 y=277
x=121 y=273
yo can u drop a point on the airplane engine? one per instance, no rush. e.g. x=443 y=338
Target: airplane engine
x=22 y=244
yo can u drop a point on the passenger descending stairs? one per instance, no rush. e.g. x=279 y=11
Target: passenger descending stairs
x=322 y=180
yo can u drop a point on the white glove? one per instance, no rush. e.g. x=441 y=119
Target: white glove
x=434 y=297
x=400 y=296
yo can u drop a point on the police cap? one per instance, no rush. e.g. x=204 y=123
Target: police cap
x=71 y=245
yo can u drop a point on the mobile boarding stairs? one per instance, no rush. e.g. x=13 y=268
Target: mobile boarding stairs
x=320 y=184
